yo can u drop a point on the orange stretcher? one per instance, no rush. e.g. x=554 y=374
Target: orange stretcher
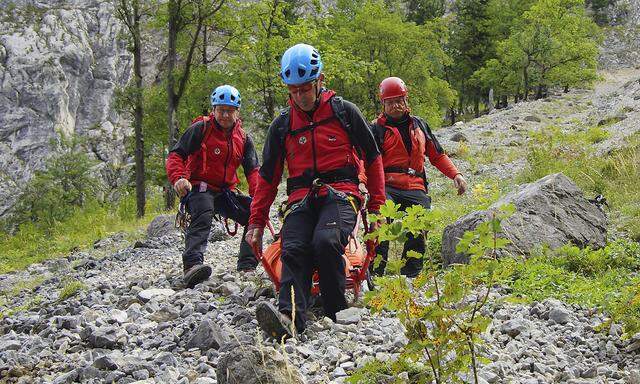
x=357 y=259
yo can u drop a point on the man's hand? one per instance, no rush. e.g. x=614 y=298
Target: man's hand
x=374 y=226
x=254 y=238
x=182 y=187
x=460 y=183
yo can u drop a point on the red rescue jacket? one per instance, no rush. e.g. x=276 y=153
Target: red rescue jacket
x=208 y=154
x=318 y=146
x=404 y=170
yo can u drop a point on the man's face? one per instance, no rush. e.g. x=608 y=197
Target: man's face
x=225 y=115
x=395 y=107
x=306 y=94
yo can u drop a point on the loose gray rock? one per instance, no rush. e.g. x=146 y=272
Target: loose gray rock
x=66 y=322
x=351 y=315
x=249 y=364
x=105 y=363
x=69 y=377
x=100 y=337
x=208 y=335
x=559 y=315
x=550 y=211
x=532 y=118
x=150 y=293
x=162 y=225
x=459 y=137
x=166 y=358
x=515 y=327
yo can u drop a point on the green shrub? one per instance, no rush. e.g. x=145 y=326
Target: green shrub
x=71 y=289
x=597 y=134
x=376 y=371
x=606 y=279
x=52 y=195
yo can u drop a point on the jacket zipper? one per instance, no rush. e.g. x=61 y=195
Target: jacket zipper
x=226 y=162
x=313 y=149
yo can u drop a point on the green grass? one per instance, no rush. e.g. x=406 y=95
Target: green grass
x=15 y=290
x=71 y=289
x=377 y=371
x=34 y=244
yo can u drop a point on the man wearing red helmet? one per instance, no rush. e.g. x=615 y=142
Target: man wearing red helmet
x=404 y=141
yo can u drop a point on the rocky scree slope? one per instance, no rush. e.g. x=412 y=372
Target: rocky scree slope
x=131 y=320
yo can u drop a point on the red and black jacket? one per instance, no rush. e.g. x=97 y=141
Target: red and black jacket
x=207 y=154
x=333 y=143
x=404 y=168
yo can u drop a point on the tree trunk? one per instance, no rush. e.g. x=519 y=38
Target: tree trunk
x=476 y=107
x=453 y=115
x=539 y=92
x=204 y=46
x=171 y=93
x=490 y=104
x=138 y=113
x=525 y=75
x=270 y=98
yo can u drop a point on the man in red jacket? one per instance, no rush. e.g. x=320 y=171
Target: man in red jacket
x=202 y=165
x=325 y=138
x=404 y=141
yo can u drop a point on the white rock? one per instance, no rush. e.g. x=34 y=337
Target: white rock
x=148 y=294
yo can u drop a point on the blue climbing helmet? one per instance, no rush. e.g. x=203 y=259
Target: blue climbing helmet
x=300 y=64
x=226 y=95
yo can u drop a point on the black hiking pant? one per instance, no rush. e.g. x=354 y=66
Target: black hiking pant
x=202 y=206
x=406 y=198
x=314 y=235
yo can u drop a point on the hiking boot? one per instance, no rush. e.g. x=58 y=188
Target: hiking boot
x=272 y=322
x=196 y=275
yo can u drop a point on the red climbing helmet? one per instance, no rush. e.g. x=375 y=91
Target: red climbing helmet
x=392 y=87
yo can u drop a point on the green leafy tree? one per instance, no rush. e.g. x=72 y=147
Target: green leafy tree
x=373 y=42
x=555 y=44
x=185 y=21
x=421 y=11
x=263 y=29
x=471 y=45
x=131 y=12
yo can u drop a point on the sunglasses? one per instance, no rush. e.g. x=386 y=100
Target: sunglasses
x=396 y=101
x=225 y=111
x=306 y=87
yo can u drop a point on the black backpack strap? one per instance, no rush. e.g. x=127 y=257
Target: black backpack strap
x=340 y=112
x=428 y=133
x=310 y=127
x=378 y=134
x=337 y=104
x=284 y=127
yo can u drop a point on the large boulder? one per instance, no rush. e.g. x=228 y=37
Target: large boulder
x=162 y=225
x=551 y=211
x=250 y=364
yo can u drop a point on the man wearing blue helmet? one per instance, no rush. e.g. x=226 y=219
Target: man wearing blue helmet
x=328 y=150
x=202 y=166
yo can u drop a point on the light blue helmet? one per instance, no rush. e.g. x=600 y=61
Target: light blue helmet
x=300 y=64
x=226 y=95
